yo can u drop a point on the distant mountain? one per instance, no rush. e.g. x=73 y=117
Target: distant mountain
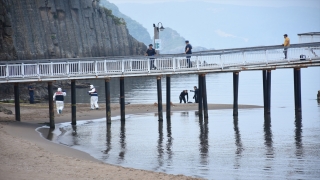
x=135 y=29
x=174 y=43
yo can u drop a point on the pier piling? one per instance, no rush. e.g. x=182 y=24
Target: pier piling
x=17 y=101
x=204 y=96
x=266 y=78
x=268 y=91
x=159 y=90
x=122 y=100
x=168 y=103
x=235 y=93
x=297 y=89
x=200 y=96
x=73 y=103
x=51 y=106
x=108 y=107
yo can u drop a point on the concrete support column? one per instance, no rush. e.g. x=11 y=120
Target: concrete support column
x=73 y=103
x=122 y=100
x=51 y=106
x=17 y=101
x=159 y=90
x=107 y=93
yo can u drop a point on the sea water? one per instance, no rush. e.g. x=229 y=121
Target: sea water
x=251 y=146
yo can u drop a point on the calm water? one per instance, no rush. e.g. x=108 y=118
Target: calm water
x=251 y=146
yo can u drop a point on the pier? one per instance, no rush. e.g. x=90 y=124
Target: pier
x=264 y=58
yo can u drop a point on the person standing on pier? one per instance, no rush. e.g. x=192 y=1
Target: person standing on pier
x=59 y=98
x=182 y=96
x=195 y=96
x=286 y=45
x=151 y=52
x=94 y=97
x=188 y=51
x=31 y=94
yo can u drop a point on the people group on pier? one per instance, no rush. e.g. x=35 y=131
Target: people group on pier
x=94 y=98
x=59 y=98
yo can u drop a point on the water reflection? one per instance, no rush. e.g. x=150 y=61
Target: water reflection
x=204 y=142
x=169 y=143
x=122 y=142
x=268 y=142
x=185 y=114
x=160 y=146
x=298 y=136
x=238 y=142
x=108 y=139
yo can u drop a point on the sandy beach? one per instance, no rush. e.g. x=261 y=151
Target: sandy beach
x=24 y=154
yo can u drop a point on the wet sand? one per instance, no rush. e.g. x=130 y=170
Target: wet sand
x=26 y=155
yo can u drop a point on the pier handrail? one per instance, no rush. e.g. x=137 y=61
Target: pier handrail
x=234 y=59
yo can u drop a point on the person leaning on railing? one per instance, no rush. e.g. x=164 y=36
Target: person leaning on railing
x=286 y=45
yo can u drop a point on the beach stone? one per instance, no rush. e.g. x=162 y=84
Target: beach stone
x=4 y=110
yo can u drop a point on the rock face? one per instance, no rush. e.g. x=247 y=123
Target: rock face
x=49 y=29
x=7 y=50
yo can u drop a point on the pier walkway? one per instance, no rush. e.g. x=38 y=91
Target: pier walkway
x=224 y=60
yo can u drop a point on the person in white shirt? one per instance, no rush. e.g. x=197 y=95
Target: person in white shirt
x=94 y=97
x=59 y=98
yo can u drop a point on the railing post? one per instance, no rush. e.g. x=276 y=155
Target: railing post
x=79 y=67
x=265 y=52
x=67 y=69
x=7 y=71
x=105 y=66
x=174 y=64
x=197 y=62
x=221 y=61
x=122 y=68
x=38 y=71
x=22 y=69
x=96 y=68
x=51 y=68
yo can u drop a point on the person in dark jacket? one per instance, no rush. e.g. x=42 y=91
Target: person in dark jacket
x=151 y=52
x=182 y=96
x=188 y=51
x=31 y=93
x=195 y=96
x=59 y=98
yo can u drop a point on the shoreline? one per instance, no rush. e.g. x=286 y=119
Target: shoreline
x=24 y=150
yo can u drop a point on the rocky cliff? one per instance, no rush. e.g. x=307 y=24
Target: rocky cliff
x=43 y=29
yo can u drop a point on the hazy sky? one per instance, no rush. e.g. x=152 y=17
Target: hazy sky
x=227 y=23
x=266 y=3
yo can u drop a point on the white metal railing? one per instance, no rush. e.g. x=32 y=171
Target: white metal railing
x=140 y=65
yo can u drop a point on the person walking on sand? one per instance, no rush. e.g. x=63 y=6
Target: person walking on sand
x=195 y=96
x=59 y=98
x=188 y=51
x=182 y=96
x=94 y=97
x=286 y=45
x=151 y=52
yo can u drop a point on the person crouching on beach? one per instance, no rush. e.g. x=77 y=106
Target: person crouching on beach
x=182 y=96
x=94 y=97
x=59 y=98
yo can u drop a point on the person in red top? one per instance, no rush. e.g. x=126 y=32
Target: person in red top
x=59 y=98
